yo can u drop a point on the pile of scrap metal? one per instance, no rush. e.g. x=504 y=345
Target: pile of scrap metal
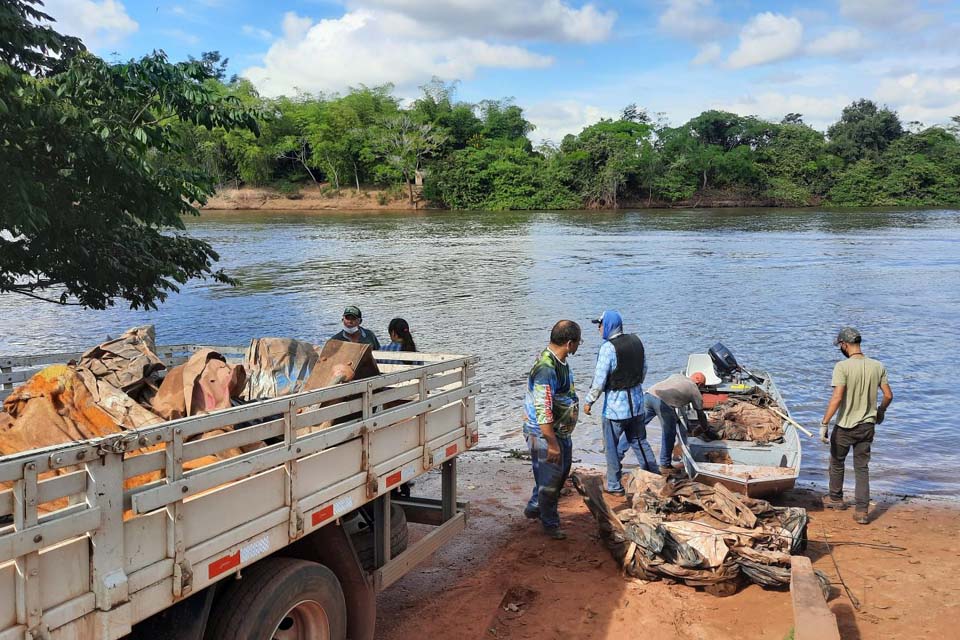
x=746 y=417
x=688 y=532
x=122 y=385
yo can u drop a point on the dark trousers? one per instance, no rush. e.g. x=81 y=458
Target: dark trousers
x=859 y=438
x=548 y=478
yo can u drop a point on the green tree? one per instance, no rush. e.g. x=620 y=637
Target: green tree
x=405 y=145
x=504 y=120
x=923 y=169
x=91 y=211
x=798 y=166
x=859 y=185
x=863 y=131
x=499 y=175
x=610 y=159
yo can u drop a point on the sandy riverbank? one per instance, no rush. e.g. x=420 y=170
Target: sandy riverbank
x=320 y=198
x=571 y=588
x=309 y=198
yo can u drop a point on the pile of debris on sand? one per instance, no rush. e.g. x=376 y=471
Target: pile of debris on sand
x=685 y=531
x=122 y=384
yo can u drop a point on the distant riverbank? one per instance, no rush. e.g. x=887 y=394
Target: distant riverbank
x=322 y=198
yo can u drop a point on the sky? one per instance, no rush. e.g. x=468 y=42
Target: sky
x=566 y=62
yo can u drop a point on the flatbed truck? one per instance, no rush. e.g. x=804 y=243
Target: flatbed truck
x=250 y=547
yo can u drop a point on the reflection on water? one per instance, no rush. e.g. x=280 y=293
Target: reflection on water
x=774 y=286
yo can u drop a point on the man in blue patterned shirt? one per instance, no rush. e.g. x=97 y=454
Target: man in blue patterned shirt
x=551 y=409
x=621 y=368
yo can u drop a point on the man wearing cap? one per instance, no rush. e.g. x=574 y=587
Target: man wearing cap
x=856 y=382
x=353 y=332
x=621 y=368
x=551 y=409
x=662 y=400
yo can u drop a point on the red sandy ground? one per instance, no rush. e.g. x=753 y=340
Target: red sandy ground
x=502 y=578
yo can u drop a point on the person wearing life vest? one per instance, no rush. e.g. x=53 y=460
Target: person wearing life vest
x=621 y=368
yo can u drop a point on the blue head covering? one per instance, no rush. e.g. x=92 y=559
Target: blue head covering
x=612 y=323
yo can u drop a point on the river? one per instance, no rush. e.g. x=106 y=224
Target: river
x=773 y=285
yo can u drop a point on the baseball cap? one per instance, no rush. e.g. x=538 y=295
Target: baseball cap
x=848 y=335
x=353 y=311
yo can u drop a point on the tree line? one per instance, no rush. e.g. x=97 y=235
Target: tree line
x=479 y=155
x=100 y=162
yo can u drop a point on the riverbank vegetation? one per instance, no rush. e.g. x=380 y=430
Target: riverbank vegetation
x=99 y=161
x=91 y=172
x=479 y=155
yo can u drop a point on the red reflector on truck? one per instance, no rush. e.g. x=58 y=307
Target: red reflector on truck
x=323 y=514
x=394 y=478
x=223 y=564
x=475 y=437
x=452 y=449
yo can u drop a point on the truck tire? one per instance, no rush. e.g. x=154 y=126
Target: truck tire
x=280 y=599
x=399 y=536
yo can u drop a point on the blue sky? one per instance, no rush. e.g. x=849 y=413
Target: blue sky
x=566 y=62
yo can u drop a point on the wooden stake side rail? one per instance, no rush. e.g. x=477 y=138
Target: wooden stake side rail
x=109 y=557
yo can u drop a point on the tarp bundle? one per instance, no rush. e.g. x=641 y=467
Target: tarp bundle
x=112 y=388
x=67 y=403
x=745 y=417
x=696 y=534
x=119 y=385
x=203 y=384
x=278 y=366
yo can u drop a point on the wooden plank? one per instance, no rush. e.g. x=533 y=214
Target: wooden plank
x=812 y=618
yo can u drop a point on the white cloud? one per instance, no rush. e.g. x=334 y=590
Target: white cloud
x=555 y=119
x=541 y=20
x=931 y=97
x=710 y=52
x=886 y=14
x=767 y=37
x=818 y=112
x=694 y=19
x=295 y=27
x=838 y=42
x=98 y=24
x=256 y=32
x=363 y=48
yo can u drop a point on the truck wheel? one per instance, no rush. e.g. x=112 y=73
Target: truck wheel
x=280 y=599
x=399 y=534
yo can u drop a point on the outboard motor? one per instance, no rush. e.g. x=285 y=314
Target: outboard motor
x=723 y=361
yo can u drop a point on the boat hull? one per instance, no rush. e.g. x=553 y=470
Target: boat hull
x=752 y=469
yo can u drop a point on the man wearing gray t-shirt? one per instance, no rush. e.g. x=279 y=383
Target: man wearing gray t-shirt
x=663 y=399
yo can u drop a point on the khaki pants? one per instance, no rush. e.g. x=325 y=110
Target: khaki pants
x=859 y=438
